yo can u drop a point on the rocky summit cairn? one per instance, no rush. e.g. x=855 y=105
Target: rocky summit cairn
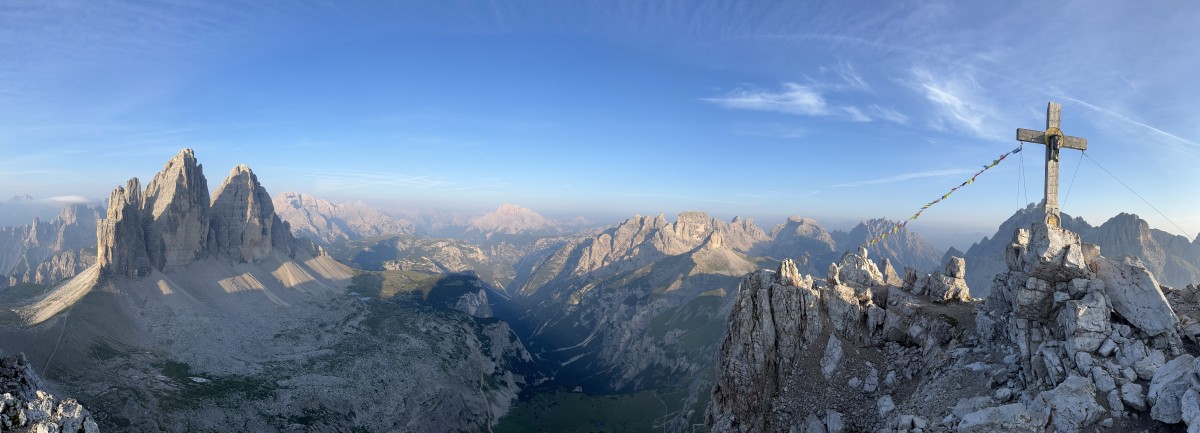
x=172 y=224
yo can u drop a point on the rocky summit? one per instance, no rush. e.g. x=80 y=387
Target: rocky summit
x=25 y=405
x=1068 y=340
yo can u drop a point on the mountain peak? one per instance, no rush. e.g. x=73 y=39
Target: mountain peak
x=511 y=219
x=173 y=222
x=243 y=217
x=177 y=212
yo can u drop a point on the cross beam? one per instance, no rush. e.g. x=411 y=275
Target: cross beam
x=1054 y=140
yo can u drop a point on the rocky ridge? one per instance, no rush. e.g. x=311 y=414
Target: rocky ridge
x=25 y=405
x=831 y=354
x=1068 y=340
x=327 y=223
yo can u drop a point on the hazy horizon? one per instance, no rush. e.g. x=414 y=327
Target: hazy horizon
x=838 y=112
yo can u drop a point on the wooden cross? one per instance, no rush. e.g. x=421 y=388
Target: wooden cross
x=1054 y=139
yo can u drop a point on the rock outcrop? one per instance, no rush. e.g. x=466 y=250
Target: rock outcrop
x=1068 y=340
x=26 y=406
x=831 y=354
x=121 y=237
x=244 y=220
x=171 y=224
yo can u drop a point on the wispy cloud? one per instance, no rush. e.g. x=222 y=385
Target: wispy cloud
x=904 y=177
x=814 y=98
x=887 y=114
x=958 y=103
x=1130 y=121
x=851 y=76
x=68 y=199
x=791 y=98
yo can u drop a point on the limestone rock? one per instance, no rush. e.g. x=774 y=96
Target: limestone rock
x=1006 y=418
x=1167 y=388
x=243 y=217
x=120 y=237
x=175 y=213
x=856 y=270
x=948 y=286
x=1073 y=405
x=769 y=328
x=831 y=357
x=1133 y=396
x=26 y=406
x=1053 y=254
x=1136 y=296
x=833 y=422
x=1085 y=322
x=889 y=274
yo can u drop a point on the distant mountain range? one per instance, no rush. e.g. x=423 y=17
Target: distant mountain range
x=45 y=252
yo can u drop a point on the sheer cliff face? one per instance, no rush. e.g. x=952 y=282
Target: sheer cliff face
x=244 y=219
x=171 y=224
x=176 y=213
x=121 y=238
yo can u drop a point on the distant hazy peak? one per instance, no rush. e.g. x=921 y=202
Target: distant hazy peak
x=511 y=219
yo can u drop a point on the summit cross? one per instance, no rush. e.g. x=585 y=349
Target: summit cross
x=1054 y=140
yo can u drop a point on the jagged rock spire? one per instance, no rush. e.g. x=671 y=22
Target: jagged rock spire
x=177 y=213
x=120 y=237
x=172 y=223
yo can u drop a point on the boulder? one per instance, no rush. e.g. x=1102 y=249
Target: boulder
x=1006 y=418
x=1167 y=388
x=1073 y=404
x=1135 y=295
x=831 y=358
x=1085 y=322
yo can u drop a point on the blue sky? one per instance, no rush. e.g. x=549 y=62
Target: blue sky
x=835 y=110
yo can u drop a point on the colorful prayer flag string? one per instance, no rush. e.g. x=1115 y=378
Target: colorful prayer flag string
x=901 y=225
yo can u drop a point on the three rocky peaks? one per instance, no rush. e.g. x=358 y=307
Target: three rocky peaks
x=173 y=222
